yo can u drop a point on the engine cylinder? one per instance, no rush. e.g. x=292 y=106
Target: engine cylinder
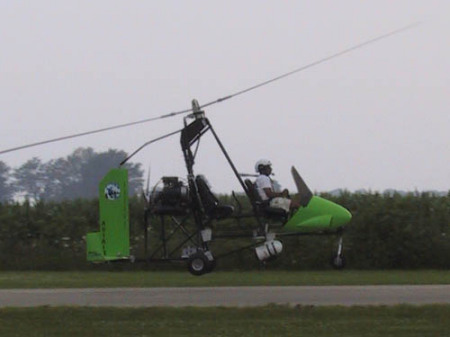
x=269 y=250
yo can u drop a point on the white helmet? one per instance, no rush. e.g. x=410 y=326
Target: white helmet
x=262 y=162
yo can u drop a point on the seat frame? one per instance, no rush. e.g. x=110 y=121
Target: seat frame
x=263 y=206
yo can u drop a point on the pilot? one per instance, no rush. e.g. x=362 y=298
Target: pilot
x=265 y=188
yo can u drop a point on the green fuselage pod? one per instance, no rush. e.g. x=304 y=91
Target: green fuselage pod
x=112 y=242
x=319 y=214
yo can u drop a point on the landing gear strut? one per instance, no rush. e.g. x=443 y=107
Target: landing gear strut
x=338 y=260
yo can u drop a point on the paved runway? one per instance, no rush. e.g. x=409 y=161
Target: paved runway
x=227 y=296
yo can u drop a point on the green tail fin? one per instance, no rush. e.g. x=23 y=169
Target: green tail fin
x=112 y=242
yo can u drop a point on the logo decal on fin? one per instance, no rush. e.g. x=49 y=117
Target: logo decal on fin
x=112 y=191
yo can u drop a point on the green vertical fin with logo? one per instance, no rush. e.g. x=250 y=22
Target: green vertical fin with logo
x=112 y=242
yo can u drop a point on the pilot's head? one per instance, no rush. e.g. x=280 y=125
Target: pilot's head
x=263 y=166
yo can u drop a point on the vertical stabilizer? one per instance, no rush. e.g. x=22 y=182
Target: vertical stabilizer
x=304 y=192
x=112 y=242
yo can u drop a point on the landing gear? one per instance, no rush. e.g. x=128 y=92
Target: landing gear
x=201 y=263
x=338 y=261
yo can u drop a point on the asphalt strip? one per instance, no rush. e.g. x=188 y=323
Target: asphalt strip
x=227 y=296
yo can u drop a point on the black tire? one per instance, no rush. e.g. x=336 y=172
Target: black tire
x=338 y=262
x=198 y=264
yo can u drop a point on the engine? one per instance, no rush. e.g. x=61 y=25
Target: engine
x=172 y=198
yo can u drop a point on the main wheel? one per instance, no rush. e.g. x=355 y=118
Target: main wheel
x=199 y=264
x=338 y=262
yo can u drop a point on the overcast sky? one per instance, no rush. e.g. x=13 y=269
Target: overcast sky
x=375 y=118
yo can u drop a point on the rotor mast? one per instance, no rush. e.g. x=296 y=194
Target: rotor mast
x=197 y=113
x=192 y=133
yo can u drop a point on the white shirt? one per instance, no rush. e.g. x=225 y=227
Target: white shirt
x=261 y=183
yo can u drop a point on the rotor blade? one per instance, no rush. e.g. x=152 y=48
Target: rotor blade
x=93 y=131
x=219 y=100
x=325 y=59
x=148 y=143
x=253 y=175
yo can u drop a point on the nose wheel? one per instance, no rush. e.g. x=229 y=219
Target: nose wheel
x=338 y=260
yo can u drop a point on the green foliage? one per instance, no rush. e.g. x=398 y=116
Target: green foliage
x=30 y=178
x=73 y=177
x=395 y=231
x=45 y=235
x=389 y=231
x=6 y=187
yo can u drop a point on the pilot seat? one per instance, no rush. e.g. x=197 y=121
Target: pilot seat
x=210 y=203
x=262 y=206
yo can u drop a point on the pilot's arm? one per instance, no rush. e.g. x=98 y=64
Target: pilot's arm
x=272 y=194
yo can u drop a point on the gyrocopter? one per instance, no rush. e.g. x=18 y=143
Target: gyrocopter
x=189 y=214
x=191 y=209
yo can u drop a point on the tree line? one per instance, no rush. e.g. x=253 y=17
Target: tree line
x=388 y=231
x=73 y=177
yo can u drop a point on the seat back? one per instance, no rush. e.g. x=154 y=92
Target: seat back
x=251 y=190
x=210 y=202
x=208 y=199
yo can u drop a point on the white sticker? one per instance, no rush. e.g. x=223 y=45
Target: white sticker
x=112 y=191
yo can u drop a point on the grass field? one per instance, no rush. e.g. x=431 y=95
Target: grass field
x=181 y=279
x=277 y=321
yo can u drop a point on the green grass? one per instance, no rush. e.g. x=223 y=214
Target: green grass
x=277 y=321
x=184 y=279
